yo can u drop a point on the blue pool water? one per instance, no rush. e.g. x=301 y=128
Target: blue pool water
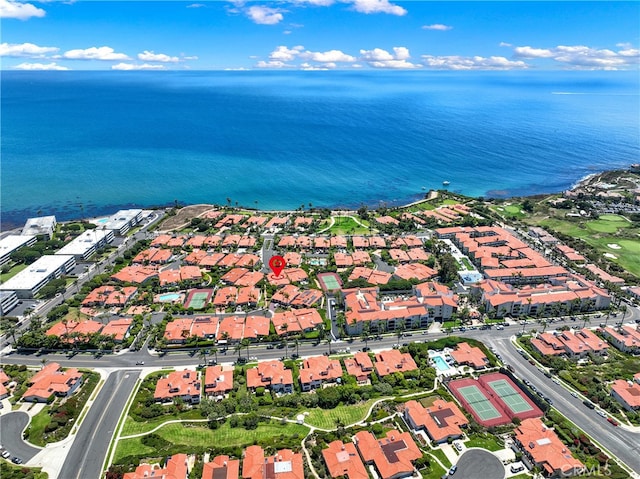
x=441 y=364
x=169 y=297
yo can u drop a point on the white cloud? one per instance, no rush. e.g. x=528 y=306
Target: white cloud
x=95 y=53
x=24 y=50
x=330 y=56
x=456 y=62
x=264 y=15
x=377 y=6
x=504 y=44
x=272 y=64
x=437 y=26
x=376 y=54
x=530 y=52
x=584 y=57
x=309 y=67
x=285 y=54
x=379 y=58
x=196 y=5
x=133 y=66
x=318 y=3
x=39 y=66
x=148 y=56
x=19 y=10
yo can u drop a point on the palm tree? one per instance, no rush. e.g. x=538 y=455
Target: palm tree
x=214 y=351
x=285 y=327
x=297 y=345
x=245 y=344
x=364 y=335
x=238 y=349
x=400 y=327
x=203 y=354
x=43 y=361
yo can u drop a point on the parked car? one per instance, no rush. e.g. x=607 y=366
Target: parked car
x=139 y=363
x=453 y=470
x=612 y=421
x=574 y=394
x=500 y=327
x=589 y=404
x=601 y=413
x=16 y=460
x=458 y=446
x=6 y=454
x=270 y=346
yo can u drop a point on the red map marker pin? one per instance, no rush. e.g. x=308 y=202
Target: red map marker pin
x=277 y=264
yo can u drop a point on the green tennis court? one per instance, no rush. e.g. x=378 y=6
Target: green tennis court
x=479 y=402
x=512 y=398
x=330 y=281
x=198 y=300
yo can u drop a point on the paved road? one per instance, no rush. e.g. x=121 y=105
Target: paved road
x=11 y=426
x=87 y=454
x=479 y=464
x=623 y=444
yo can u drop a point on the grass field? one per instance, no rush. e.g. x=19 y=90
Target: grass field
x=510 y=211
x=326 y=419
x=132 y=427
x=195 y=435
x=12 y=272
x=600 y=233
x=486 y=442
x=345 y=225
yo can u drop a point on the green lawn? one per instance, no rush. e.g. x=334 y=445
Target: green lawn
x=326 y=419
x=36 y=428
x=435 y=472
x=439 y=453
x=9 y=471
x=195 y=435
x=487 y=442
x=132 y=427
x=346 y=225
x=12 y=272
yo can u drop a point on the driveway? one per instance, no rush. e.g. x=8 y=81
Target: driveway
x=12 y=425
x=479 y=464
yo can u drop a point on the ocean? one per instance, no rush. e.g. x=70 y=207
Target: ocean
x=80 y=144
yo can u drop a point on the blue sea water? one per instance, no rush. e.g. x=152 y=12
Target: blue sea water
x=79 y=144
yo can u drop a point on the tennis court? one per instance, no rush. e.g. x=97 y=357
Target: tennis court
x=198 y=299
x=329 y=281
x=479 y=403
x=512 y=398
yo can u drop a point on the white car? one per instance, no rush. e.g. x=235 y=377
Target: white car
x=6 y=454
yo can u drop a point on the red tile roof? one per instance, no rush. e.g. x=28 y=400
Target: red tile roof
x=470 y=355
x=392 y=455
x=391 y=361
x=176 y=468
x=221 y=468
x=320 y=368
x=52 y=380
x=545 y=448
x=269 y=373
x=178 y=384
x=343 y=460
x=441 y=420
x=285 y=464
x=218 y=380
x=629 y=392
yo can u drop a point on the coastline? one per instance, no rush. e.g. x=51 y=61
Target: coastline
x=16 y=219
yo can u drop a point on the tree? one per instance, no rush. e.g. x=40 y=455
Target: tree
x=365 y=334
x=448 y=270
x=245 y=343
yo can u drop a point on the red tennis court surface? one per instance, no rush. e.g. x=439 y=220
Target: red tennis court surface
x=493 y=399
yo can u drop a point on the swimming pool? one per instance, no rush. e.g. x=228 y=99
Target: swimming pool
x=441 y=364
x=168 y=297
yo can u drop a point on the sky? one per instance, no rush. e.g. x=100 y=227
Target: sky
x=319 y=35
